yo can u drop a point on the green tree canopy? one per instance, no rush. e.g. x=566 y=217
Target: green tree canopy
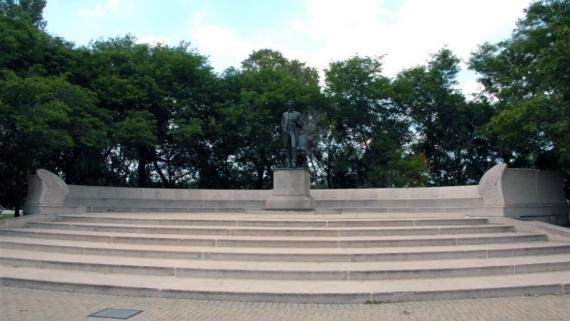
x=527 y=79
x=367 y=133
x=445 y=126
x=31 y=10
x=47 y=122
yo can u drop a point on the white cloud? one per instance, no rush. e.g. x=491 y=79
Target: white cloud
x=408 y=35
x=95 y=12
x=332 y=30
x=113 y=5
x=109 y=6
x=426 y=26
x=226 y=47
x=471 y=87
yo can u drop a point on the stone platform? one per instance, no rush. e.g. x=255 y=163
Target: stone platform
x=345 y=246
x=321 y=258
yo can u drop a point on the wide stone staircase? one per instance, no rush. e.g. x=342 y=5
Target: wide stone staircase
x=291 y=257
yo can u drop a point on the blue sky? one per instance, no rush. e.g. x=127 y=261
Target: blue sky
x=317 y=32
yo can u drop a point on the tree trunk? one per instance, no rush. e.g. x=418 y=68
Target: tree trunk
x=329 y=170
x=142 y=173
x=69 y=170
x=259 y=183
x=163 y=178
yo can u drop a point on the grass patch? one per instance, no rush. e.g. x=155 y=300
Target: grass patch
x=6 y=215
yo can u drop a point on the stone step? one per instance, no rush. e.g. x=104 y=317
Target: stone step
x=275 y=241
x=291 y=257
x=344 y=220
x=286 y=254
x=286 y=270
x=274 y=231
x=373 y=291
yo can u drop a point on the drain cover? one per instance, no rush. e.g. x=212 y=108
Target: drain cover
x=111 y=313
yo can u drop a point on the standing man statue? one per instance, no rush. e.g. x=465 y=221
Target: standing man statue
x=291 y=124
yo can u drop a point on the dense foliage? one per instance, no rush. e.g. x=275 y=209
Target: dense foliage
x=527 y=77
x=121 y=113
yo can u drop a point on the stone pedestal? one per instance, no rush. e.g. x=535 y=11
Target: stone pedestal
x=291 y=190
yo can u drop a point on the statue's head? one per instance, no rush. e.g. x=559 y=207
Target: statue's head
x=290 y=105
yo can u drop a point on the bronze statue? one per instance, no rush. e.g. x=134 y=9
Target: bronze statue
x=291 y=125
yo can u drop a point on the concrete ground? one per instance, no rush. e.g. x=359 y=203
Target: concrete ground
x=18 y=304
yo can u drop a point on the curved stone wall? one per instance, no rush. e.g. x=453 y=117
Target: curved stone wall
x=524 y=193
x=517 y=193
x=46 y=193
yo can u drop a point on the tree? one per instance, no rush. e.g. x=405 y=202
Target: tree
x=159 y=98
x=47 y=122
x=31 y=10
x=26 y=51
x=445 y=125
x=526 y=78
x=366 y=133
x=187 y=123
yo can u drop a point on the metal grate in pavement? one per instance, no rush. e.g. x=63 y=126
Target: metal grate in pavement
x=111 y=313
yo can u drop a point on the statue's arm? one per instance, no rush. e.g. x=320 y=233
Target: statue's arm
x=299 y=121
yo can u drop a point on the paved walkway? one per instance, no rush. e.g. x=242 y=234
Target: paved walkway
x=38 y=305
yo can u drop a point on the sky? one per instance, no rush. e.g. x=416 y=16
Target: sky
x=404 y=32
